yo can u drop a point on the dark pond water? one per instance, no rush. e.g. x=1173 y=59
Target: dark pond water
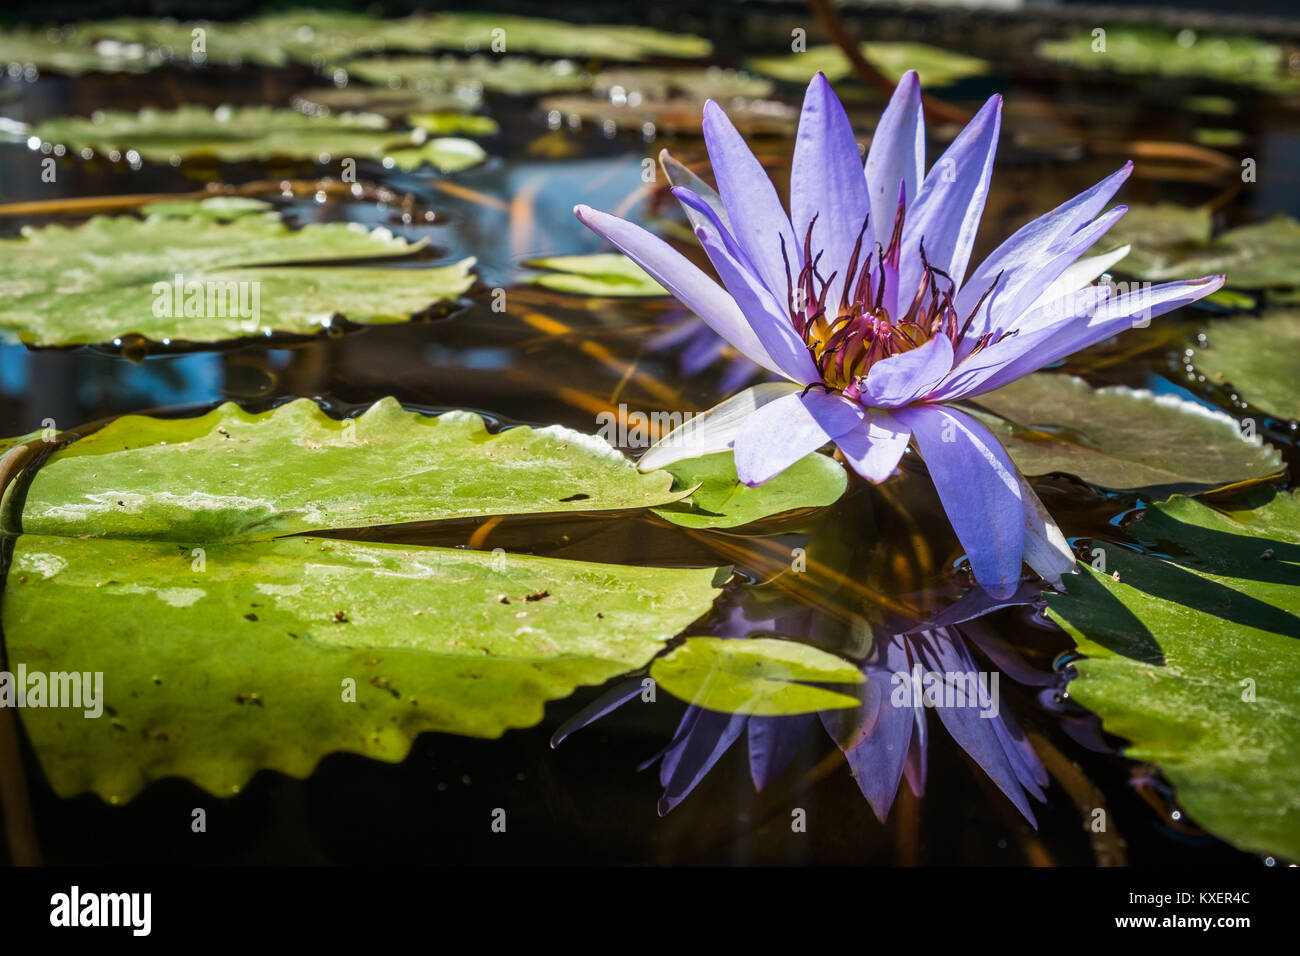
x=551 y=358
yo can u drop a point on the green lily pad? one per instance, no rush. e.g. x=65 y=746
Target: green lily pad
x=447 y=154
x=235 y=475
x=249 y=133
x=515 y=76
x=323 y=38
x=1227 y=58
x=1258 y=357
x=719 y=499
x=1172 y=242
x=936 y=67
x=763 y=677
x=1121 y=438
x=116 y=275
x=166 y=555
x=359 y=98
x=1193 y=658
x=245 y=665
x=454 y=124
x=601 y=273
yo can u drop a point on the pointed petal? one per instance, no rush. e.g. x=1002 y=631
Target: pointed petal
x=1084 y=272
x=753 y=208
x=902 y=379
x=896 y=155
x=975 y=734
x=1072 y=323
x=714 y=430
x=826 y=181
x=1046 y=550
x=768 y=318
x=606 y=703
x=679 y=276
x=979 y=489
x=783 y=431
x=874 y=447
x=1036 y=242
x=710 y=737
x=947 y=210
x=1010 y=304
x=678 y=174
x=773 y=743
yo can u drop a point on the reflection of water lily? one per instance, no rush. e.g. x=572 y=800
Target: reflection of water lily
x=884 y=739
x=860 y=299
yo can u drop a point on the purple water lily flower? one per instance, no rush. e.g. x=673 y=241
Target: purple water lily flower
x=860 y=299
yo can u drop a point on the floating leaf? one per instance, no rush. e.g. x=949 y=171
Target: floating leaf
x=323 y=38
x=1228 y=58
x=359 y=98
x=232 y=474
x=117 y=275
x=511 y=75
x=451 y=124
x=1193 y=658
x=936 y=67
x=1258 y=357
x=154 y=552
x=1121 y=438
x=445 y=153
x=759 y=676
x=246 y=665
x=1172 y=242
x=679 y=114
x=601 y=273
x=722 y=501
x=708 y=83
x=249 y=133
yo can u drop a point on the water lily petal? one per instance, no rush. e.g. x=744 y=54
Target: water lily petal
x=1046 y=550
x=1032 y=245
x=753 y=207
x=781 y=432
x=976 y=734
x=826 y=181
x=1072 y=323
x=902 y=379
x=896 y=155
x=874 y=447
x=768 y=318
x=707 y=738
x=714 y=430
x=1082 y=273
x=980 y=491
x=679 y=275
x=947 y=210
x=773 y=743
x=679 y=175
x=876 y=738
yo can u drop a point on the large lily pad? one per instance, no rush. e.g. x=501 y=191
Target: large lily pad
x=600 y=273
x=249 y=133
x=720 y=500
x=1173 y=242
x=1193 y=658
x=1228 y=58
x=235 y=475
x=512 y=75
x=761 y=676
x=153 y=551
x=323 y=38
x=1121 y=438
x=115 y=275
x=243 y=666
x=936 y=67
x=1258 y=357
